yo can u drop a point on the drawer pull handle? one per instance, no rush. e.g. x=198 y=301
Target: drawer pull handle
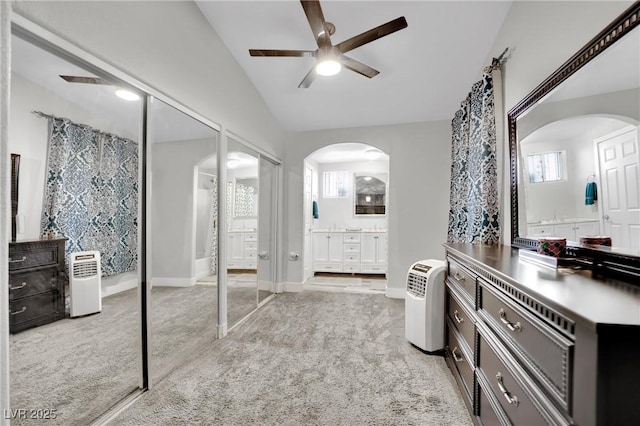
x=24 y=308
x=457 y=317
x=456 y=357
x=510 y=326
x=18 y=260
x=24 y=284
x=511 y=399
x=458 y=276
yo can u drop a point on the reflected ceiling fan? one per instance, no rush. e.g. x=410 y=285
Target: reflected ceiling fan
x=330 y=58
x=123 y=93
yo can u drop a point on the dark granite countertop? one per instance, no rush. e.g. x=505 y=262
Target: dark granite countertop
x=574 y=292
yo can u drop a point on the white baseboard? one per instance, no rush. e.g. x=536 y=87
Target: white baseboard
x=292 y=287
x=279 y=288
x=173 y=282
x=118 y=283
x=395 y=293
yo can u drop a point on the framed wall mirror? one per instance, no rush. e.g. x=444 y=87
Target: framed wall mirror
x=588 y=110
x=370 y=194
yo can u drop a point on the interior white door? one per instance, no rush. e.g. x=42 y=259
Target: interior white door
x=620 y=190
x=307 y=212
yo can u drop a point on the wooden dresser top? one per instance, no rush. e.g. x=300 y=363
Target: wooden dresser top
x=574 y=292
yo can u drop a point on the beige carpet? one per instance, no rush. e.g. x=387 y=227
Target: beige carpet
x=311 y=358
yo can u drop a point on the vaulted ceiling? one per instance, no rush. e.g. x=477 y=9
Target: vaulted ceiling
x=425 y=69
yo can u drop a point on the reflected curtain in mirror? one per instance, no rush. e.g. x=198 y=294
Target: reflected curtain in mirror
x=474 y=210
x=91 y=193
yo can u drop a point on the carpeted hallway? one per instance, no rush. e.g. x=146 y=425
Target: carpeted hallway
x=308 y=358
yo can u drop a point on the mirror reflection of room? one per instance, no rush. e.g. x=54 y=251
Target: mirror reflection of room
x=74 y=341
x=346 y=200
x=578 y=154
x=242 y=232
x=184 y=285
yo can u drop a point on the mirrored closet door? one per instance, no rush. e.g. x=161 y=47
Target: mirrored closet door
x=242 y=230
x=183 y=209
x=74 y=259
x=267 y=228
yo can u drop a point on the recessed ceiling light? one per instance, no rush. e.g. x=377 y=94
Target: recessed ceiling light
x=328 y=67
x=127 y=95
x=367 y=178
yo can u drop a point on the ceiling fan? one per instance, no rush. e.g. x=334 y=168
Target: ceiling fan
x=330 y=58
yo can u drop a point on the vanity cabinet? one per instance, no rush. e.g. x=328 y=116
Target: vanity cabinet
x=328 y=251
x=350 y=252
x=572 y=231
x=242 y=250
x=529 y=344
x=37 y=279
x=373 y=253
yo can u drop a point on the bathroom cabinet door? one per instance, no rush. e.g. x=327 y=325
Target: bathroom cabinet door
x=235 y=247
x=320 y=246
x=336 y=247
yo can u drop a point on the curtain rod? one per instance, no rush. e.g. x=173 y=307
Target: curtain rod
x=43 y=115
x=497 y=62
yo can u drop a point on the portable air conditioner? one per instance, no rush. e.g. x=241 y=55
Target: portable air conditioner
x=84 y=285
x=424 y=305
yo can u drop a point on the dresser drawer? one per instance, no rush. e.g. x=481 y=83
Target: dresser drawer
x=461 y=276
x=351 y=238
x=33 y=255
x=39 y=308
x=461 y=356
x=489 y=408
x=512 y=386
x=39 y=281
x=546 y=354
x=352 y=248
x=461 y=318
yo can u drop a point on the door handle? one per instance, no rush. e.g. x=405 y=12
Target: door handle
x=605 y=217
x=263 y=255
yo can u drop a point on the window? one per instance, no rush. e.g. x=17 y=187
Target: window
x=546 y=166
x=336 y=184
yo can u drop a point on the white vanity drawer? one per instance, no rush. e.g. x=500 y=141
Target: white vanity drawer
x=354 y=268
x=352 y=258
x=327 y=267
x=352 y=248
x=234 y=264
x=369 y=269
x=349 y=238
x=250 y=245
x=251 y=236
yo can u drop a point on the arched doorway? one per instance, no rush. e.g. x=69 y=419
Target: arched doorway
x=345 y=211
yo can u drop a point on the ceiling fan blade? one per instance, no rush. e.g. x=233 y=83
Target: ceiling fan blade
x=294 y=53
x=358 y=67
x=316 y=20
x=308 y=79
x=373 y=34
x=84 y=80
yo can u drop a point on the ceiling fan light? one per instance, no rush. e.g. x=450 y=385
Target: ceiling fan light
x=328 y=67
x=127 y=95
x=372 y=154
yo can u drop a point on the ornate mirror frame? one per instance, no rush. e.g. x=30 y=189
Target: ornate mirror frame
x=605 y=262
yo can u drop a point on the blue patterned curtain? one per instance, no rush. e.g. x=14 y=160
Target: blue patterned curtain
x=91 y=194
x=474 y=204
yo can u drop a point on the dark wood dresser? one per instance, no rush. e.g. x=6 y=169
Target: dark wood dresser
x=37 y=279
x=532 y=345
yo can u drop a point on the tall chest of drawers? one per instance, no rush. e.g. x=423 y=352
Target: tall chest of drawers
x=37 y=279
x=529 y=345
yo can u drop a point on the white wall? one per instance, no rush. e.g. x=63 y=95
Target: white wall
x=173 y=177
x=419 y=169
